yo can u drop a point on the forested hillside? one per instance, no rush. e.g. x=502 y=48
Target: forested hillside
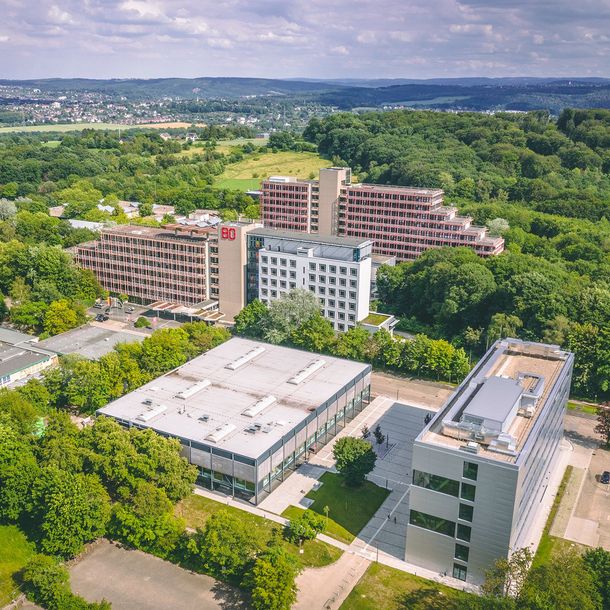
x=544 y=185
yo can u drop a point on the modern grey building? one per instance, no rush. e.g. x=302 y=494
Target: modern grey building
x=482 y=465
x=248 y=413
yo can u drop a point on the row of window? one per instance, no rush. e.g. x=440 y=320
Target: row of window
x=446 y=527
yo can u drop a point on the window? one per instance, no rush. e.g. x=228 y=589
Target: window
x=470 y=471
x=283 y=262
x=312 y=288
x=331 y=292
x=466 y=512
x=461 y=552
x=436 y=483
x=322 y=267
x=293 y=263
x=264 y=259
x=459 y=571
x=312 y=266
x=353 y=271
x=432 y=523
x=312 y=277
x=342 y=281
x=322 y=279
x=332 y=280
x=343 y=270
x=352 y=283
x=293 y=285
x=273 y=260
x=282 y=284
x=283 y=272
x=331 y=302
x=321 y=289
x=332 y=268
x=463 y=532
x=468 y=492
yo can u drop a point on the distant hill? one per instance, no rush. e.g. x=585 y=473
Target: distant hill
x=479 y=94
x=204 y=87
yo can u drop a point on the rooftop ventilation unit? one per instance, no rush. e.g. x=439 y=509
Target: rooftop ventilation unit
x=220 y=433
x=259 y=406
x=253 y=353
x=148 y=402
x=192 y=390
x=148 y=415
x=309 y=370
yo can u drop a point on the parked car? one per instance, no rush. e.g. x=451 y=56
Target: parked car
x=101 y=317
x=98 y=306
x=605 y=478
x=130 y=310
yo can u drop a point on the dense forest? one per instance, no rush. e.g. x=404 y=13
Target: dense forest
x=140 y=166
x=543 y=184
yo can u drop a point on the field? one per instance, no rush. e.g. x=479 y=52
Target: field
x=247 y=174
x=101 y=126
x=385 y=588
x=350 y=508
x=15 y=550
x=196 y=510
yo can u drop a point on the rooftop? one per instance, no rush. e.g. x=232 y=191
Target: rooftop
x=16 y=358
x=499 y=404
x=332 y=240
x=242 y=396
x=14 y=337
x=89 y=341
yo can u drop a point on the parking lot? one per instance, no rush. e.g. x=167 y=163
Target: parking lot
x=132 y=580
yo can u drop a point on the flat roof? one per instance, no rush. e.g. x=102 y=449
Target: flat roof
x=495 y=399
x=507 y=358
x=212 y=394
x=90 y=341
x=17 y=358
x=333 y=240
x=14 y=337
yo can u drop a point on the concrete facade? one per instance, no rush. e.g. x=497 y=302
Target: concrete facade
x=476 y=487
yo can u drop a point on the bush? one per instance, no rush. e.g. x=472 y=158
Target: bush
x=305 y=527
x=142 y=322
x=47 y=583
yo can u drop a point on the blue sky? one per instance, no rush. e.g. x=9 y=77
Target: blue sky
x=304 y=38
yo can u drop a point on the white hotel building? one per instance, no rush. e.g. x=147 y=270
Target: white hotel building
x=336 y=269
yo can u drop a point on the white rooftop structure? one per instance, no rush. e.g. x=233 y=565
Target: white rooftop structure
x=242 y=396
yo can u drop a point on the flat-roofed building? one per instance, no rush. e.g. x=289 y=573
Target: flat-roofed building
x=336 y=269
x=402 y=221
x=20 y=361
x=482 y=465
x=247 y=413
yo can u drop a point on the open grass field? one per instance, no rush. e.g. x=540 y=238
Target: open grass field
x=385 y=588
x=101 y=126
x=247 y=174
x=351 y=508
x=196 y=510
x=582 y=407
x=15 y=550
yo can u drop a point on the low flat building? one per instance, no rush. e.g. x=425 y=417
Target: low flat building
x=18 y=362
x=483 y=464
x=89 y=341
x=247 y=413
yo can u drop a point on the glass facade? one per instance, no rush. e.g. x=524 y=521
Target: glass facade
x=432 y=523
x=463 y=532
x=468 y=492
x=470 y=471
x=466 y=512
x=461 y=552
x=436 y=483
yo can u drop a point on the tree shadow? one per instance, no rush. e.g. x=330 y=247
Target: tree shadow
x=583 y=440
x=425 y=599
x=229 y=596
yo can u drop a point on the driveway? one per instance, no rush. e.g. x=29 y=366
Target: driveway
x=132 y=580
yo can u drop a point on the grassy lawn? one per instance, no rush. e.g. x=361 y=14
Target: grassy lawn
x=385 y=588
x=375 y=318
x=583 y=408
x=551 y=545
x=287 y=163
x=15 y=550
x=350 y=507
x=196 y=510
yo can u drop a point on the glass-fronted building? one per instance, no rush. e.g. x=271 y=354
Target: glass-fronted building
x=248 y=413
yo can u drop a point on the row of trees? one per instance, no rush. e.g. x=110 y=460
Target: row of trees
x=296 y=320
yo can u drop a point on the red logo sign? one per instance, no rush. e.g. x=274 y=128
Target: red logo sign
x=228 y=233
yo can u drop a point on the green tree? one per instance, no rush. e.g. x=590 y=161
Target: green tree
x=18 y=470
x=355 y=458
x=146 y=521
x=62 y=316
x=597 y=562
x=316 y=334
x=18 y=411
x=224 y=547
x=251 y=319
x=289 y=313
x=164 y=350
x=305 y=527
x=68 y=509
x=507 y=575
x=272 y=580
